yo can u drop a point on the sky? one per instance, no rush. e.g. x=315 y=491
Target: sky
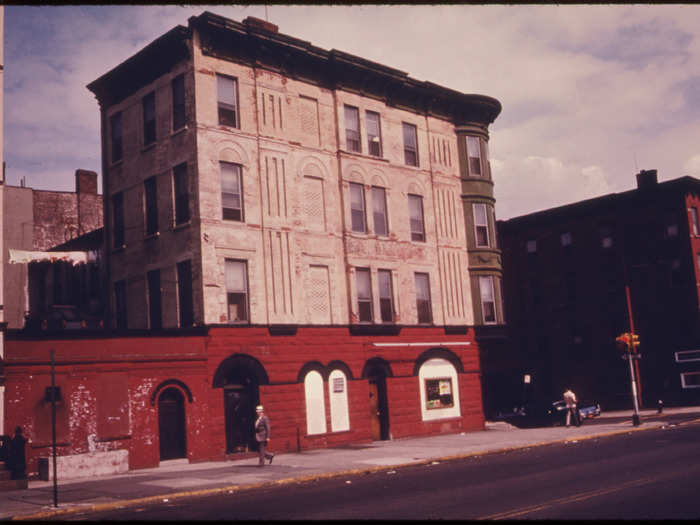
x=591 y=94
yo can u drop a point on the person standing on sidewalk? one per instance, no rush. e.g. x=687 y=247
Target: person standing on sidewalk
x=571 y=410
x=262 y=436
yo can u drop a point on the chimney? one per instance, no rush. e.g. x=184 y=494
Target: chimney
x=646 y=179
x=257 y=23
x=85 y=181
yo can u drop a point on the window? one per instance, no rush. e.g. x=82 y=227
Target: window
x=531 y=246
x=184 y=293
x=415 y=211
x=410 y=144
x=374 y=134
x=338 y=396
x=151 y=206
x=423 y=307
x=115 y=126
x=227 y=93
x=178 y=90
x=687 y=355
x=118 y=214
x=149 y=119
x=694 y=220
x=182 y=197
x=439 y=389
x=381 y=226
x=690 y=379
x=120 y=304
x=386 y=296
x=352 y=129
x=566 y=239
x=154 y=302
x=357 y=207
x=481 y=225
x=237 y=290
x=315 y=404
x=474 y=156
x=438 y=393
x=488 y=299
x=231 y=192
x=364 y=295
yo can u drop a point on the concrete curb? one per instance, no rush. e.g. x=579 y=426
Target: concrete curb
x=312 y=477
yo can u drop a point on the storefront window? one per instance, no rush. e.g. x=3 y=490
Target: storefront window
x=438 y=393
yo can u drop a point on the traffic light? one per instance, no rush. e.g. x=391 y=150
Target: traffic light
x=623 y=342
x=634 y=343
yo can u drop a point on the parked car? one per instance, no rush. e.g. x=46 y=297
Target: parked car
x=62 y=317
x=545 y=413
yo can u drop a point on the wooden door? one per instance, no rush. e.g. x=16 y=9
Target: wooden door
x=171 y=424
x=374 y=410
x=240 y=417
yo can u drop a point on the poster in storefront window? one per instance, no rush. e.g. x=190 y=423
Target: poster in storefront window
x=438 y=393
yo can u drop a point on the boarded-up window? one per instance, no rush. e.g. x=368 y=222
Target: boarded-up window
x=315 y=404
x=308 y=116
x=318 y=297
x=313 y=204
x=113 y=405
x=338 y=396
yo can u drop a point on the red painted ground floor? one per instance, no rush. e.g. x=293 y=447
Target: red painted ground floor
x=194 y=396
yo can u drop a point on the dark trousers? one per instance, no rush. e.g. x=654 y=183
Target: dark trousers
x=263 y=454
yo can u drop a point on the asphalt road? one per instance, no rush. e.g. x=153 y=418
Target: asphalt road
x=653 y=474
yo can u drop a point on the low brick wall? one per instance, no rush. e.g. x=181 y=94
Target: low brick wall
x=85 y=465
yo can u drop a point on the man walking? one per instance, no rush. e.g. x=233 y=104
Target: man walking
x=262 y=436
x=571 y=410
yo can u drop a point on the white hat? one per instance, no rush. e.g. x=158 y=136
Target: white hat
x=258 y=408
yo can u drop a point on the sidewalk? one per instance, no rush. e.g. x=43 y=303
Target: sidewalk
x=178 y=478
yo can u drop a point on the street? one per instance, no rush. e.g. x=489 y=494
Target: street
x=641 y=475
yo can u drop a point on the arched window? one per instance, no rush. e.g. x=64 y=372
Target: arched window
x=338 y=395
x=439 y=390
x=315 y=405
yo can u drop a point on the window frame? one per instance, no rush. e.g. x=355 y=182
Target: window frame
x=422 y=300
x=179 y=110
x=352 y=116
x=384 y=307
x=694 y=220
x=148 y=106
x=687 y=374
x=155 y=300
x=234 y=214
x=357 y=186
x=314 y=402
x=689 y=352
x=185 y=299
x=230 y=292
x=365 y=301
x=338 y=400
x=379 y=198
x=485 y=230
x=118 y=225
x=116 y=134
x=484 y=299
x=150 y=206
x=469 y=139
x=120 y=305
x=409 y=149
x=222 y=106
x=369 y=115
x=181 y=194
x=416 y=236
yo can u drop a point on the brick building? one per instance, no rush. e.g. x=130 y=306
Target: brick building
x=286 y=225
x=565 y=274
x=35 y=222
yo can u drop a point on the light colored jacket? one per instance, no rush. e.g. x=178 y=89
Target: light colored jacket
x=262 y=428
x=570 y=398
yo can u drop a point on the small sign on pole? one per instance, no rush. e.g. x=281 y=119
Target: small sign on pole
x=526 y=379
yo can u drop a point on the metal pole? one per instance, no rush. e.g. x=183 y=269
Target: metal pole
x=53 y=428
x=635 y=416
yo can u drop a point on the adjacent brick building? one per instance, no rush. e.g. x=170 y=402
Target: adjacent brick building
x=286 y=225
x=565 y=275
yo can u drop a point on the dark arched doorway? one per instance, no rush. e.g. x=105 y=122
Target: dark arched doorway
x=171 y=424
x=240 y=377
x=376 y=370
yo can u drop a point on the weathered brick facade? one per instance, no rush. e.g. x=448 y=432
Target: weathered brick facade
x=275 y=190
